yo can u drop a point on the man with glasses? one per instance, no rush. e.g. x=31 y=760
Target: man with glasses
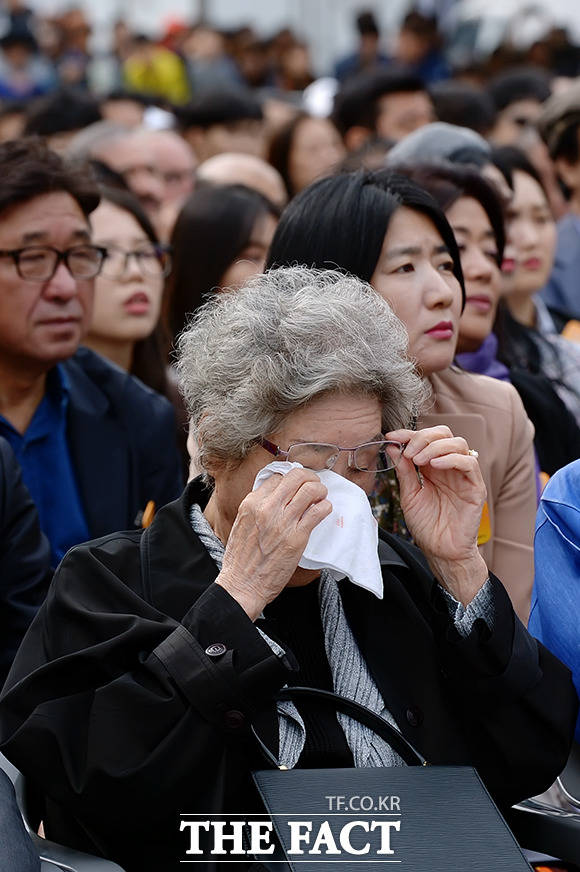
x=95 y=446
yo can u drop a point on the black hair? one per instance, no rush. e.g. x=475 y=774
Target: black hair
x=567 y=146
x=13 y=107
x=62 y=111
x=341 y=222
x=149 y=354
x=366 y=24
x=29 y=168
x=118 y=94
x=213 y=227
x=508 y=159
x=356 y=103
x=447 y=184
x=280 y=148
x=518 y=345
x=22 y=37
x=219 y=107
x=523 y=83
x=464 y=105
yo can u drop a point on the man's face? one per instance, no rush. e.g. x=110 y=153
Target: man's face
x=401 y=113
x=131 y=157
x=42 y=323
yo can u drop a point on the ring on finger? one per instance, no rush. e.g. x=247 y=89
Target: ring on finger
x=473 y=453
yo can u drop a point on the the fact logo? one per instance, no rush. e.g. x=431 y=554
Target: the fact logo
x=358 y=826
x=319 y=838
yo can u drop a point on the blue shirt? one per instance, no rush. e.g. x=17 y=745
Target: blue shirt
x=47 y=470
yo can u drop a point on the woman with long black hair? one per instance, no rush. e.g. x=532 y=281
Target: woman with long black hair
x=220 y=240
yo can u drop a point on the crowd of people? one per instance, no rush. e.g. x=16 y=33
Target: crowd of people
x=283 y=295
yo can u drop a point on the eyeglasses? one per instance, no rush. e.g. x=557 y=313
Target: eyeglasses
x=38 y=263
x=368 y=457
x=152 y=260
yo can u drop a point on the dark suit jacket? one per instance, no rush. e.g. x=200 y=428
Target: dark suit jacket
x=117 y=711
x=24 y=559
x=122 y=440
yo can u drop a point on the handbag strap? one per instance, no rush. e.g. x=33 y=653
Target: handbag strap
x=353 y=709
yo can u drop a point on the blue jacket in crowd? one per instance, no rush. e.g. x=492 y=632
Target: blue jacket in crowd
x=555 y=614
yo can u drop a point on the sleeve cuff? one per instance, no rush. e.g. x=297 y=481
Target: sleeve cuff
x=480 y=608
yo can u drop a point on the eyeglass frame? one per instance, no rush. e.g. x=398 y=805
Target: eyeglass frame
x=280 y=452
x=61 y=257
x=160 y=250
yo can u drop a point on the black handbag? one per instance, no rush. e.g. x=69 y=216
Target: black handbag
x=418 y=817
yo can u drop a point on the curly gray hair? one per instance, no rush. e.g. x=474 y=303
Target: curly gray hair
x=252 y=356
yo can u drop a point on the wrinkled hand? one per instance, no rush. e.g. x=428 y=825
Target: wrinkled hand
x=269 y=536
x=444 y=514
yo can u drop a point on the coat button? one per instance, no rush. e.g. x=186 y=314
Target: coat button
x=234 y=719
x=216 y=649
x=414 y=716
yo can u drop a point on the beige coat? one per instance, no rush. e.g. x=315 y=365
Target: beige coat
x=489 y=414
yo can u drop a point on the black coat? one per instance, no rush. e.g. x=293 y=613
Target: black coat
x=124 y=720
x=122 y=441
x=24 y=559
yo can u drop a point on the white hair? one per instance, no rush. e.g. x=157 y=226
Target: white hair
x=251 y=357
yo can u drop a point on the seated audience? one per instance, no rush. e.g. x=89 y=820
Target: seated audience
x=176 y=162
x=385 y=103
x=556 y=595
x=409 y=255
x=418 y=47
x=368 y=54
x=59 y=116
x=527 y=333
x=124 y=107
x=128 y=153
x=448 y=143
x=463 y=104
x=24 y=559
x=518 y=96
x=476 y=216
x=24 y=71
x=220 y=240
x=94 y=444
x=220 y=121
x=125 y=324
x=304 y=150
x=150 y=715
x=559 y=125
x=230 y=168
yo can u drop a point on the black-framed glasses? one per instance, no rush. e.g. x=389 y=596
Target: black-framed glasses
x=368 y=457
x=38 y=263
x=152 y=260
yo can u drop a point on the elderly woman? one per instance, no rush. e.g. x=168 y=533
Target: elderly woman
x=131 y=698
x=404 y=247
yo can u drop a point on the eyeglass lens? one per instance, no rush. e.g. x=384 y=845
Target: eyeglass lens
x=147 y=258
x=41 y=263
x=370 y=457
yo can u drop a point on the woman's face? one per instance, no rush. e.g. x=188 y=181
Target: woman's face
x=478 y=250
x=316 y=149
x=347 y=420
x=126 y=307
x=250 y=261
x=414 y=274
x=531 y=238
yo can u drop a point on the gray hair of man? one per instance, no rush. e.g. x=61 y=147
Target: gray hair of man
x=251 y=357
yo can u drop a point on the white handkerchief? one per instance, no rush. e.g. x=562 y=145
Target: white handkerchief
x=346 y=542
